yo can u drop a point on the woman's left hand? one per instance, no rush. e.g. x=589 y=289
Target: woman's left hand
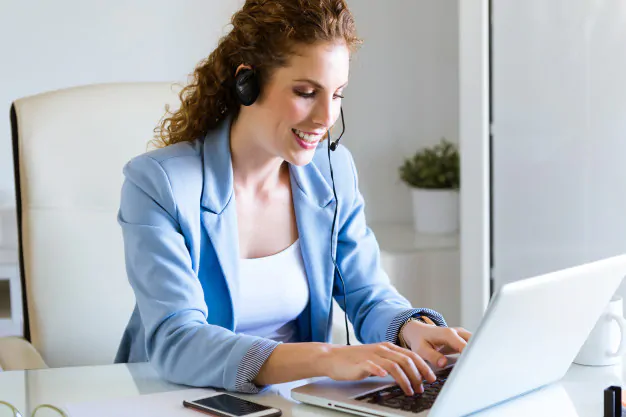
x=433 y=342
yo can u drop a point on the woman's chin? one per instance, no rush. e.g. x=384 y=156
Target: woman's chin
x=301 y=158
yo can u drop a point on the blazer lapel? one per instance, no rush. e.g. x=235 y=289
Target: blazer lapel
x=313 y=205
x=219 y=214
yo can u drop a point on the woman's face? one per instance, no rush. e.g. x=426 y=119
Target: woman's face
x=302 y=101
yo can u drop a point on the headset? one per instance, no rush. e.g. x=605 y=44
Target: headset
x=247 y=90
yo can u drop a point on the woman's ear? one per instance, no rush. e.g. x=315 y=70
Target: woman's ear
x=242 y=66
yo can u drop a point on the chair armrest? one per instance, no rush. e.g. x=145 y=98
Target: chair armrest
x=17 y=354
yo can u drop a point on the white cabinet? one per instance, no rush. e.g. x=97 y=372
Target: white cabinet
x=424 y=269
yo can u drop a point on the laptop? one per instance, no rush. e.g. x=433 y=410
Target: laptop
x=529 y=336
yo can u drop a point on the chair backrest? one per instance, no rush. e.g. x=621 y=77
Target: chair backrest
x=69 y=150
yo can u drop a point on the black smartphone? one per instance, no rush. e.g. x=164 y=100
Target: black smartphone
x=226 y=405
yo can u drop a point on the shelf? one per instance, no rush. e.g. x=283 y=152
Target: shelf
x=5 y=310
x=401 y=238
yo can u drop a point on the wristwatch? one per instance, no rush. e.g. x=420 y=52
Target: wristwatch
x=422 y=319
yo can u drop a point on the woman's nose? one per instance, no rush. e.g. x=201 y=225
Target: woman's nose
x=324 y=114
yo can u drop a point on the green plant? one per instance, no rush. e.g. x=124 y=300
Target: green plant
x=435 y=167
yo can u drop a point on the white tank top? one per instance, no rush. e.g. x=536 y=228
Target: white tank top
x=273 y=291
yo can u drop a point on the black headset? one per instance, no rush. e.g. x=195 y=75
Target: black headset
x=247 y=90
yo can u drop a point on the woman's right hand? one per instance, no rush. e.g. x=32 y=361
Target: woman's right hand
x=352 y=363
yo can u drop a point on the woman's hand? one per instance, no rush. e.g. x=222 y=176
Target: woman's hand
x=351 y=363
x=433 y=342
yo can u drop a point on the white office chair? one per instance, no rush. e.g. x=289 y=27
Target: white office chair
x=69 y=150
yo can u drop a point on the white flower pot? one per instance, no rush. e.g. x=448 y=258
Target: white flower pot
x=435 y=211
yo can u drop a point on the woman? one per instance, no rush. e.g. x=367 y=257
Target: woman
x=227 y=227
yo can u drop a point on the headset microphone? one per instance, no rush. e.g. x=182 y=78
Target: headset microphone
x=333 y=145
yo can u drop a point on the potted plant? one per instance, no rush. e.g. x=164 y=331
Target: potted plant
x=433 y=175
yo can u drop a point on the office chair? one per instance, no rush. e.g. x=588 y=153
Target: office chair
x=69 y=148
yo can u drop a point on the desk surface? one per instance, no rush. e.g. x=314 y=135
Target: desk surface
x=579 y=393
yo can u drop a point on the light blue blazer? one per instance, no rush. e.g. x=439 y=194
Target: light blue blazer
x=179 y=223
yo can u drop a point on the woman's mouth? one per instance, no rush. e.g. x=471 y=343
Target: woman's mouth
x=306 y=140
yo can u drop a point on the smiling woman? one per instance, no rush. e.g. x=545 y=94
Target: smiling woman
x=227 y=226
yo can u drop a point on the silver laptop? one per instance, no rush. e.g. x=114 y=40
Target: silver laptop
x=528 y=338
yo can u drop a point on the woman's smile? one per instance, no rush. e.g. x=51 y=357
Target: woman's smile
x=307 y=140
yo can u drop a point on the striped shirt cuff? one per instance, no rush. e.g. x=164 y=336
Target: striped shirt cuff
x=251 y=364
x=393 y=329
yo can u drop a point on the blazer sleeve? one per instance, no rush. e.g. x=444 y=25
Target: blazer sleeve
x=375 y=308
x=179 y=342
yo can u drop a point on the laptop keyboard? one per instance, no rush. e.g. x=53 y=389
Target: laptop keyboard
x=394 y=397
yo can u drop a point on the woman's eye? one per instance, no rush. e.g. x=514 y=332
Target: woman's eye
x=305 y=94
x=312 y=94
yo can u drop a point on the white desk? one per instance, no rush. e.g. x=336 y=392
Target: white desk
x=580 y=393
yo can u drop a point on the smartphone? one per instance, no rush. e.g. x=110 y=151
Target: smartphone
x=226 y=405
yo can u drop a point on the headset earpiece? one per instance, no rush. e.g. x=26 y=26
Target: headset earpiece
x=247 y=87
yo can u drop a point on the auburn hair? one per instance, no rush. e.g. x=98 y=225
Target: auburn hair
x=263 y=35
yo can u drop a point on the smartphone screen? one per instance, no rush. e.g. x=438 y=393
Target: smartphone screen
x=231 y=405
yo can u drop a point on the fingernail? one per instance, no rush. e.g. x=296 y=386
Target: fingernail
x=441 y=362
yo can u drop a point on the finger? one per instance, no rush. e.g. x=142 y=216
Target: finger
x=432 y=355
x=408 y=365
x=397 y=373
x=447 y=336
x=424 y=369
x=374 y=369
x=463 y=333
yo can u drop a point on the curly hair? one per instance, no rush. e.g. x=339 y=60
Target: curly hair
x=264 y=34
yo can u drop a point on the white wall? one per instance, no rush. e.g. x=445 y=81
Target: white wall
x=403 y=90
x=403 y=94
x=50 y=45
x=559 y=135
